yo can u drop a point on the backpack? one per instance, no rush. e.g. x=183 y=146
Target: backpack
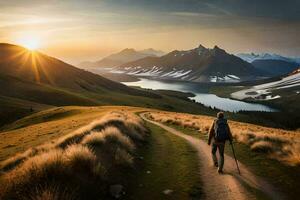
x=221 y=130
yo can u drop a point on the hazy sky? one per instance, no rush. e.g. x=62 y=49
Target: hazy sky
x=76 y=30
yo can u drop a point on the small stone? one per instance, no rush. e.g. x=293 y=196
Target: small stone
x=168 y=192
x=148 y=172
x=116 y=190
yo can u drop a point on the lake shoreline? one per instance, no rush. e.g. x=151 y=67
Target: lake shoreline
x=202 y=95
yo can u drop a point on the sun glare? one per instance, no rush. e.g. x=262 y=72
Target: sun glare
x=31 y=44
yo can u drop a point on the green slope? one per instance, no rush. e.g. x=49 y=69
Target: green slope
x=20 y=96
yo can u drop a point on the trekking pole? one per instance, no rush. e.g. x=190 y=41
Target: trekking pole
x=237 y=165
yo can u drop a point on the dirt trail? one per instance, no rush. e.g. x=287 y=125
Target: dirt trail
x=230 y=185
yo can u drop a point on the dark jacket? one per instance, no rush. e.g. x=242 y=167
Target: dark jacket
x=211 y=132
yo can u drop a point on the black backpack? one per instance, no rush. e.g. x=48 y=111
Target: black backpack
x=221 y=130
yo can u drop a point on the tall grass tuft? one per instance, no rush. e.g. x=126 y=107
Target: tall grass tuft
x=79 y=158
x=262 y=146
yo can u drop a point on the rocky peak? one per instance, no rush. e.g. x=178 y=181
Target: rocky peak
x=128 y=50
x=216 y=50
x=201 y=47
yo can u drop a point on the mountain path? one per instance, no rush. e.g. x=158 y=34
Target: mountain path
x=229 y=185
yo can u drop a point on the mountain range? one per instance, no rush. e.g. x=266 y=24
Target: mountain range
x=124 y=56
x=250 y=57
x=199 y=65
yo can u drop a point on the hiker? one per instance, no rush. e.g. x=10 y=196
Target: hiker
x=219 y=132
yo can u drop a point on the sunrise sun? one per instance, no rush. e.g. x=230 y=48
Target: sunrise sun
x=30 y=43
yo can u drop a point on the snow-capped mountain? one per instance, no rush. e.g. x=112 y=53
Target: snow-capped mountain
x=200 y=65
x=250 y=57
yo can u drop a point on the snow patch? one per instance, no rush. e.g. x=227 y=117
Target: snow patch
x=264 y=91
x=117 y=71
x=176 y=74
x=270 y=97
x=233 y=76
x=228 y=78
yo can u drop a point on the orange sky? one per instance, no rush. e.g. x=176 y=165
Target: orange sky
x=88 y=30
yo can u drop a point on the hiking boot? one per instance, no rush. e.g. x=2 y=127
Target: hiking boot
x=216 y=164
x=220 y=171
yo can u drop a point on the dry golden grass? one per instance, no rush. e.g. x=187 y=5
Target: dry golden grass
x=78 y=157
x=109 y=135
x=279 y=144
x=49 y=125
x=77 y=160
x=30 y=134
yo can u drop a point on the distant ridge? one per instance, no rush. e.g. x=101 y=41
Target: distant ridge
x=250 y=57
x=124 y=56
x=275 y=67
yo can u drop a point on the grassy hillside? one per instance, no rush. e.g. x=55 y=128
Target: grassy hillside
x=12 y=109
x=21 y=98
x=41 y=93
x=79 y=165
x=30 y=94
x=48 y=125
